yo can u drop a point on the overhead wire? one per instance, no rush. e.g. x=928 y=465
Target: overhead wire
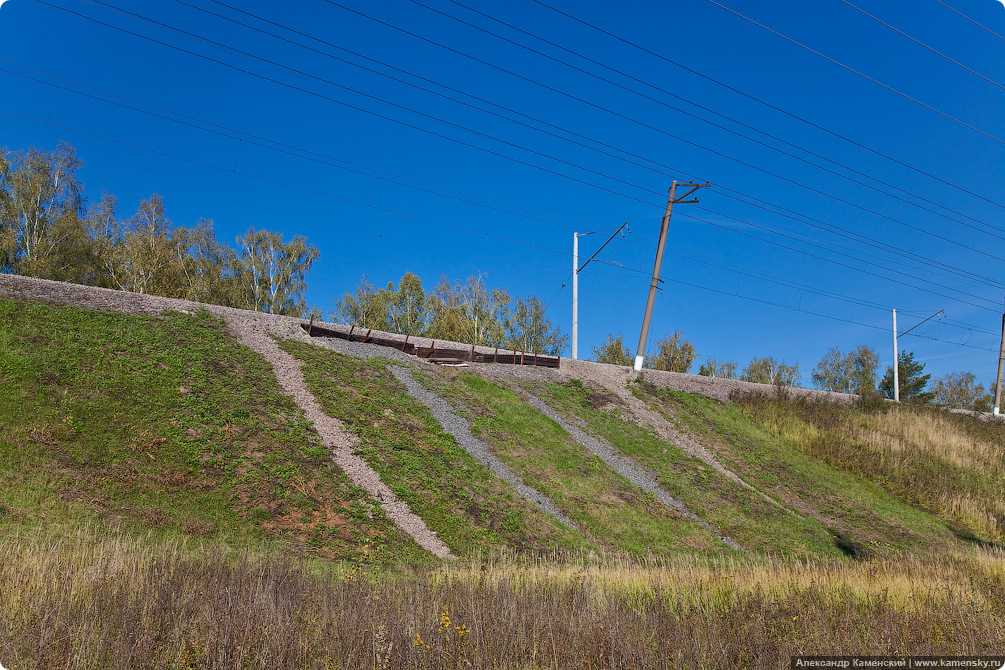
x=824 y=315
x=979 y=25
x=988 y=229
x=291 y=150
x=104 y=3
x=356 y=107
x=772 y=106
x=922 y=44
x=314 y=155
x=98 y=2
x=861 y=74
x=845 y=265
x=408 y=215
x=275 y=182
x=673 y=136
x=395 y=212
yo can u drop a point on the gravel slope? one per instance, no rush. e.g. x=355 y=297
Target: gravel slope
x=626 y=467
x=255 y=330
x=461 y=431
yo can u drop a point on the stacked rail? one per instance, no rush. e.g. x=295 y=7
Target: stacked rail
x=446 y=352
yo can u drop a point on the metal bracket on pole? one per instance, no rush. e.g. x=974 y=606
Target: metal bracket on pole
x=640 y=353
x=576 y=269
x=896 y=355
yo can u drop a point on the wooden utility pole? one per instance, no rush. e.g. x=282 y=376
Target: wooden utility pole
x=654 y=284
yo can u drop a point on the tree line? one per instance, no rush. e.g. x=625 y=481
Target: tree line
x=48 y=230
x=467 y=311
x=852 y=372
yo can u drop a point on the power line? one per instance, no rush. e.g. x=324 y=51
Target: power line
x=584 y=71
x=284 y=184
x=864 y=240
x=979 y=25
x=291 y=150
x=356 y=107
x=920 y=43
x=860 y=74
x=687 y=254
x=844 y=265
x=278 y=183
x=771 y=106
x=413 y=216
x=943 y=238
x=313 y=155
x=677 y=137
x=510 y=110
x=251 y=73
x=824 y=315
x=988 y=229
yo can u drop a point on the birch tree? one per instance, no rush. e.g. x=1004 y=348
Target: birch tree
x=40 y=210
x=273 y=273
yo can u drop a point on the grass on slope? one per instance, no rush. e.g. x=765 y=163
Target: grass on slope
x=860 y=512
x=585 y=488
x=735 y=510
x=166 y=424
x=463 y=501
x=952 y=465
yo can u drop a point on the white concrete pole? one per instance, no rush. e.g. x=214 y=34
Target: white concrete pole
x=896 y=371
x=575 y=295
x=1001 y=364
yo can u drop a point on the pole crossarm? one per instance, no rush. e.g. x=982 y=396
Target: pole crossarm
x=654 y=284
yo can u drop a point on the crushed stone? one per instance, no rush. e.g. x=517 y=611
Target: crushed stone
x=626 y=467
x=461 y=430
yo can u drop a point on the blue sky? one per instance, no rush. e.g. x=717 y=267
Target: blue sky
x=458 y=151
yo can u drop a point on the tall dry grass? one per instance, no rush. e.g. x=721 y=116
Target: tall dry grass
x=87 y=602
x=950 y=464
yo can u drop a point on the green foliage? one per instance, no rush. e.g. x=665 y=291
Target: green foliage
x=817 y=474
x=961 y=390
x=273 y=273
x=613 y=351
x=601 y=502
x=366 y=308
x=728 y=506
x=673 y=353
x=769 y=371
x=529 y=329
x=851 y=373
x=43 y=234
x=945 y=465
x=912 y=382
x=469 y=312
x=40 y=206
x=722 y=369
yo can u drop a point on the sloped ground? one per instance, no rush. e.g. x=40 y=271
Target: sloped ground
x=768 y=471
x=166 y=505
x=167 y=424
